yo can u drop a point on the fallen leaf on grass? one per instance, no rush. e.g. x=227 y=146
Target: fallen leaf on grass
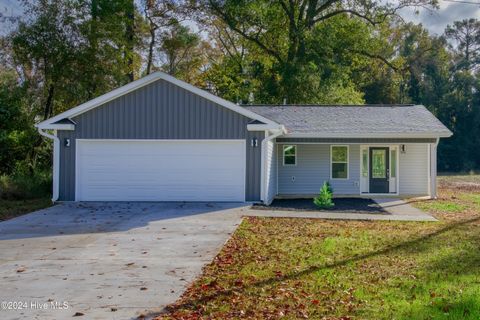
x=238 y=282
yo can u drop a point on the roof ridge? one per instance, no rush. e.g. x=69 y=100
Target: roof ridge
x=330 y=105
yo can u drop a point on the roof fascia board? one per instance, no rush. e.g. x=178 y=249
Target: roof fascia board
x=56 y=126
x=89 y=105
x=263 y=127
x=369 y=135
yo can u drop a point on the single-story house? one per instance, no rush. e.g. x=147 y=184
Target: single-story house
x=161 y=139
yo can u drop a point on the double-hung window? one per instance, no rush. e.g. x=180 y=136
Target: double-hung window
x=289 y=155
x=339 y=162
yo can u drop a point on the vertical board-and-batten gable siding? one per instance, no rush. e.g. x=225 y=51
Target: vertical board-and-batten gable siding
x=313 y=168
x=160 y=110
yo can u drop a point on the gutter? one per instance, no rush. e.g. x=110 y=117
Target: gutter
x=276 y=133
x=56 y=162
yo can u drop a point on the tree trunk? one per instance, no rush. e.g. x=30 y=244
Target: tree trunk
x=48 y=108
x=93 y=50
x=150 y=48
x=130 y=37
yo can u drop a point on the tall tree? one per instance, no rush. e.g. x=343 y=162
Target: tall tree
x=466 y=41
x=44 y=48
x=130 y=38
x=160 y=14
x=281 y=28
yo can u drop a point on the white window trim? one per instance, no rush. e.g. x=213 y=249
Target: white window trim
x=283 y=155
x=348 y=161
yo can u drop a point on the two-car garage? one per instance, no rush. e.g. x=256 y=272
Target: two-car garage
x=157 y=139
x=160 y=170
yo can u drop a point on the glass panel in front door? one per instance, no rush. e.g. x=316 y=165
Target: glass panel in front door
x=379 y=164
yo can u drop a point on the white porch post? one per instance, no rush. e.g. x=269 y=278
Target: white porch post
x=433 y=170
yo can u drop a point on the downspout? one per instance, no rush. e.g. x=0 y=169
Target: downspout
x=56 y=162
x=263 y=173
x=433 y=175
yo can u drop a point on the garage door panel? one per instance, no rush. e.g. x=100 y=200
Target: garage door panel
x=161 y=170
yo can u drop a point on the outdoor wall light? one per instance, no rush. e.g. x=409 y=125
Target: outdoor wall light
x=254 y=142
x=403 y=148
x=67 y=142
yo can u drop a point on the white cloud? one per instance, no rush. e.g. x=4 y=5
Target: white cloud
x=436 y=20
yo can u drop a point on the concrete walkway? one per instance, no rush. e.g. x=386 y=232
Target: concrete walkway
x=400 y=208
x=396 y=210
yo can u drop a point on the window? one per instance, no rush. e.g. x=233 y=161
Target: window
x=289 y=155
x=379 y=166
x=339 y=162
x=393 y=163
x=365 y=163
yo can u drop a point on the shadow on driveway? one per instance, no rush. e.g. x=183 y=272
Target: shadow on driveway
x=101 y=217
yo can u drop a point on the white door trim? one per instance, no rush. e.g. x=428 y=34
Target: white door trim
x=389 y=146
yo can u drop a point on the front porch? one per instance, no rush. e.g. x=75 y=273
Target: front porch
x=297 y=168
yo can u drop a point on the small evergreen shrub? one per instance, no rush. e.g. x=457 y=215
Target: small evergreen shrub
x=324 y=198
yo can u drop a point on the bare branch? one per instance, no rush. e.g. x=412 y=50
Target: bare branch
x=255 y=39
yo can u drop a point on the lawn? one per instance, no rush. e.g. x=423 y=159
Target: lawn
x=318 y=269
x=13 y=208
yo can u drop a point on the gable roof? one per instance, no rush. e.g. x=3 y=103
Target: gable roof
x=58 y=121
x=354 y=121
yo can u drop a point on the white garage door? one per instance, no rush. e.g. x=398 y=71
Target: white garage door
x=168 y=170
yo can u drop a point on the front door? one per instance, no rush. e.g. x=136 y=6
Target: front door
x=379 y=169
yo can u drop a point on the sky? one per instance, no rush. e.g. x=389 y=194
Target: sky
x=434 y=21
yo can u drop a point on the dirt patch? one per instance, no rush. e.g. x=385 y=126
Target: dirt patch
x=461 y=185
x=465 y=182
x=354 y=205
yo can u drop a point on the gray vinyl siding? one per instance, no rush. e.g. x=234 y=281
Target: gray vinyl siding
x=313 y=168
x=160 y=110
x=413 y=173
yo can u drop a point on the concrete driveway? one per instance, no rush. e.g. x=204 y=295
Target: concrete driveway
x=107 y=261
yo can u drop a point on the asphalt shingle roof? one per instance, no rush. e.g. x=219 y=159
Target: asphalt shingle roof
x=367 y=119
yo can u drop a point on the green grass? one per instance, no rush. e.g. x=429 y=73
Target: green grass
x=441 y=206
x=295 y=268
x=13 y=208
